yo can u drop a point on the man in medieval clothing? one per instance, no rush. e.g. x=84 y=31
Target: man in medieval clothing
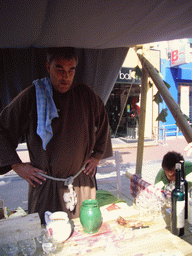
x=66 y=128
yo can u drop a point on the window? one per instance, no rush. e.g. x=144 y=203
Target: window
x=185 y=98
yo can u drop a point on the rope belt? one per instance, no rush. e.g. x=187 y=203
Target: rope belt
x=70 y=198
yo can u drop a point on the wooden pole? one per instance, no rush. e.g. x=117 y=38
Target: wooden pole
x=180 y=119
x=122 y=110
x=142 y=115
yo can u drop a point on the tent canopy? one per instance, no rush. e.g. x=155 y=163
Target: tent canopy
x=101 y=30
x=92 y=23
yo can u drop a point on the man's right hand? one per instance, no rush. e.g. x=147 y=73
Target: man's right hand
x=29 y=173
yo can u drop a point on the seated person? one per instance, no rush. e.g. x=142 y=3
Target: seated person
x=167 y=173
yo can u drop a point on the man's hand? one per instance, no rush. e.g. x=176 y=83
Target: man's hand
x=29 y=173
x=91 y=166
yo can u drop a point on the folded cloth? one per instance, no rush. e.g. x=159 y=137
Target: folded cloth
x=105 y=197
x=13 y=214
x=137 y=185
x=46 y=109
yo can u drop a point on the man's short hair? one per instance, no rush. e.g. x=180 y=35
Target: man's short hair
x=170 y=159
x=66 y=53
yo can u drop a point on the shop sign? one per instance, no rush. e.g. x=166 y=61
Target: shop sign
x=180 y=56
x=125 y=77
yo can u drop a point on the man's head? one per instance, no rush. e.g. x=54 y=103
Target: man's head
x=61 y=65
x=168 y=164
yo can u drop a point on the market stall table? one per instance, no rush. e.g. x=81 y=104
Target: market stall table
x=115 y=239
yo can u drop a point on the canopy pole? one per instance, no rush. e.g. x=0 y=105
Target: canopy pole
x=169 y=100
x=142 y=114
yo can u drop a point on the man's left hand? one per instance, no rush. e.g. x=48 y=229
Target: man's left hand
x=91 y=166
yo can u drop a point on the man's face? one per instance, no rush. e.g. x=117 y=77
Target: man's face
x=170 y=174
x=62 y=73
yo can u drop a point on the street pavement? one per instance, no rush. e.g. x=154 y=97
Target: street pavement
x=13 y=189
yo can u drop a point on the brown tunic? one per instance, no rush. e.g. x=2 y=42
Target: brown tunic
x=81 y=130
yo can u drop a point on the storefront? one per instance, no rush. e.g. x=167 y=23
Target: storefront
x=123 y=104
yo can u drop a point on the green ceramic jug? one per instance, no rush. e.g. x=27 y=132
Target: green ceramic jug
x=90 y=216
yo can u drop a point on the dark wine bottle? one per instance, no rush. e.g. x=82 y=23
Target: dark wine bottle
x=184 y=187
x=178 y=205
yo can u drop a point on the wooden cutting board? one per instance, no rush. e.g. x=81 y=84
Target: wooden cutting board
x=19 y=228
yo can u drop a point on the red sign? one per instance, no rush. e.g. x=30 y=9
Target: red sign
x=180 y=56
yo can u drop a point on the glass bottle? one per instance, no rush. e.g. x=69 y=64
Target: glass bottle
x=178 y=205
x=184 y=187
x=190 y=210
